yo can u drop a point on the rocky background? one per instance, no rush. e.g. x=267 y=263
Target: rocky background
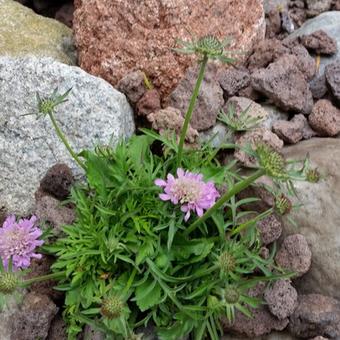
x=117 y=57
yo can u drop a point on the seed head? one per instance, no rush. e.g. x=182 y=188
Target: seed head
x=283 y=205
x=227 y=262
x=313 y=175
x=8 y=282
x=231 y=295
x=112 y=307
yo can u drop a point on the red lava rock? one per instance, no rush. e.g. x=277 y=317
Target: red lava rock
x=332 y=72
x=116 y=37
x=41 y=267
x=133 y=86
x=57 y=181
x=270 y=229
x=252 y=138
x=258 y=290
x=58 y=329
x=170 y=119
x=209 y=102
x=319 y=42
x=284 y=84
x=318 y=86
x=298 y=15
x=150 y=102
x=294 y=255
x=306 y=64
x=33 y=320
x=233 y=80
x=50 y=210
x=250 y=93
x=281 y=298
x=262 y=323
x=325 y=118
x=316 y=7
x=294 y=130
x=273 y=24
x=316 y=315
x=65 y=14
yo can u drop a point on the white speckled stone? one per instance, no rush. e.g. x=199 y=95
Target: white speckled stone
x=95 y=114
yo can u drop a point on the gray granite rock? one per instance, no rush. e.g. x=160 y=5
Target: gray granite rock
x=95 y=114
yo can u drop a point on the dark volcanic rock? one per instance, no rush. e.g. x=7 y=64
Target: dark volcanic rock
x=285 y=85
x=316 y=315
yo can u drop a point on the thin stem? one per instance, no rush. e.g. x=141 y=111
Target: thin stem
x=190 y=110
x=64 y=140
x=226 y=197
x=52 y=276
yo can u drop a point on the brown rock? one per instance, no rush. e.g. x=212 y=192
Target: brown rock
x=252 y=138
x=294 y=130
x=233 y=80
x=170 y=119
x=209 y=102
x=332 y=72
x=316 y=315
x=284 y=84
x=250 y=93
x=305 y=63
x=57 y=181
x=50 y=210
x=150 y=102
x=294 y=255
x=298 y=16
x=318 y=86
x=262 y=323
x=33 y=320
x=325 y=118
x=270 y=229
x=65 y=14
x=41 y=267
x=133 y=86
x=273 y=24
x=336 y=5
x=316 y=7
x=319 y=42
x=281 y=298
x=115 y=37
x=58 y=329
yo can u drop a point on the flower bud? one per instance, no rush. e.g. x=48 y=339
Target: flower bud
x=283 y=205
x=313 y=175
x=231 y=295
x=112 y=307
x=226 y=262
x=8 y=283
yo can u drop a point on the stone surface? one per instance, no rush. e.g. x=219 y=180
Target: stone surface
x=316 y=315
x=325 y=118
x=251 y=138
x=271 y=336
x=319 y=216
x=305 y=63
x=233 y=80
x=51 y=211
x=319 y=42
x=262 y=323
x=329 y=22
x=209 y=102
x=273 y=24
x=332 y=73
x=33 y=320
x=285 y=85
x=219 y=134
x=273 y=114
x=270 y=229
x=22 y=33
x=316 y=7
x=294 y=130
x=318 y=86
x=57 y=181
x=150 y=102
x=294 y=255
x=65 y=14
x=169 y=120
x=95 y=113
x=115 y=37
x=281 y=298
x=133 y=86
x=58 y=329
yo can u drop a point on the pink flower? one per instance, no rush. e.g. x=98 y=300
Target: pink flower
x=189 y=190
x=19 y=240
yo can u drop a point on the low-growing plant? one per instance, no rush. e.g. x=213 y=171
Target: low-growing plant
x=160 y=238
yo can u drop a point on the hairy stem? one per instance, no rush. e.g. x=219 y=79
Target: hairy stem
x=58 y=275
x=190 y=110
x=64 y=140
x=226 y=197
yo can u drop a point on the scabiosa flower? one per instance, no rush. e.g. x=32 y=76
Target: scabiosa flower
x=18 y=239
x=189 y=190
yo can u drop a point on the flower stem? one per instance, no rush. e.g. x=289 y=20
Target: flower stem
x=52 y=276
x=190 y=110
x=64 y=140
x=226 y=197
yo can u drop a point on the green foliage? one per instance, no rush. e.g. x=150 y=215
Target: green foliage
x=127 y=260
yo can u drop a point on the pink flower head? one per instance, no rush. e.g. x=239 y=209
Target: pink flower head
x=189 y=190
x=18 y=239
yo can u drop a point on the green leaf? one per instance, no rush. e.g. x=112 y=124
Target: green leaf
x=148 y=294
x=146 y=250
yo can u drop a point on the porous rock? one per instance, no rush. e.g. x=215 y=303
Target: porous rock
x=95 y=113
x=316 y=7
x=316 y=315
x=294 y=254
x=270 y=229
x=332 y=73
x=116 y=37
x=284 y=84
x=150 y=102
x=325 y=118
x=319 y=42
x=233 y=80
x=281 y=298
x=58 y=329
